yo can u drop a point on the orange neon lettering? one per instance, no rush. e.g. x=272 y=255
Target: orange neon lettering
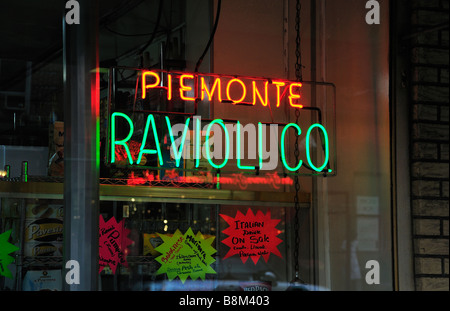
x=217 y=83
x=169 y=86
x=244 y=90
x=184 y=88
x=293 y=96
x=257 y=93
x=278 y=85
x=146 y=86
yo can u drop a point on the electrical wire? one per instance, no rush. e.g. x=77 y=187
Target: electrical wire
x=150 y=41
x=211 y=37
x=118 y=11
x=131 y=35
x=168 y=32
x=154 y=30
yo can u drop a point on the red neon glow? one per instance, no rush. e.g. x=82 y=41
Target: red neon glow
x=242 y=181
x=244 y=90
x=252 y=236
x=184 y=88
x=278 y=85
x=217 y=83
x=95 y=106
x=121 y=155
x=264 y=101
x=146 y=86
x=293 y=97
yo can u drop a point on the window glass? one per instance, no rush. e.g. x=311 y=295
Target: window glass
x=168 y=222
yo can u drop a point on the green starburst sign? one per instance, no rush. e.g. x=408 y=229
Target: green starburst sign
x=5 y=249
x=187 y=255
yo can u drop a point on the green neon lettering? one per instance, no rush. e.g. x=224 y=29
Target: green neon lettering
x=238 y=149
x=150 y=120
x=177 y=153
x=218 y=181
x=326 y=147
x=227 y=144
x=260 y=146
x=283 y=152
x=197 y=142
x=122 y=142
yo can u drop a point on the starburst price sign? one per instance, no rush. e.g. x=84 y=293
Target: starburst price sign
x=5 y=249
x=186 y=255
x=113 y=244
x=252 y=236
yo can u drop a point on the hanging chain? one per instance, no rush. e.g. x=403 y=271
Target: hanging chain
x=299 y=77
x=298 y=53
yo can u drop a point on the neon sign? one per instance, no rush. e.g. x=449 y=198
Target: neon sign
x=137 y=142
x=235 y=89
x=177 y=151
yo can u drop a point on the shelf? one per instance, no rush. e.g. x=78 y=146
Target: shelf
x=118 y=192
x=42 y=260
x=57 y=260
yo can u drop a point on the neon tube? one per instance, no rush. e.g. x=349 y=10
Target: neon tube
x=146 y=86
x=256 y=93
x=260 y=145
x=238 y=149
x=150 y=120
x=244 y=90
x=278 y=85
x=293 y=96
x=177 y=153
x=227 y=143
x=327 y=147
x=283 y=153
x=197 y=142
x=122 y=142
x=217 y=83
x=184 y=88
x=169 y=87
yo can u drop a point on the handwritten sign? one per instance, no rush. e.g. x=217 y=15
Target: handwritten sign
x=5 y=249
x=187 y=255
x=113 y=244
x=251 y=236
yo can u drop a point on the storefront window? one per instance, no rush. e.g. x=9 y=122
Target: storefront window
x=356 y=206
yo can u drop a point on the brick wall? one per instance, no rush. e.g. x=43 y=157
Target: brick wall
x=430 y=142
